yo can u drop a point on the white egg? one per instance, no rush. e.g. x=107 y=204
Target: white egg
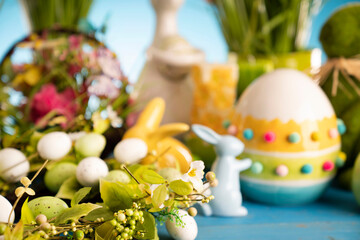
x=285 y=94
x=90 y=170
x=130 y=150
x=54 y=146
x=188 y=232
x=5 y=207
x=13 y=165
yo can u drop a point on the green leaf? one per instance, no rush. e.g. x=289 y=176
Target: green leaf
x=114 y=195
x=104 y=232
x=68 y=188
x=35 y=236
x=152 y=177
x=103 y=212
x=80 y=195
x=26 y=215
x=159 y=195
x=16 y=233
x=76 y=212
x=180 y=187
x=148 y=227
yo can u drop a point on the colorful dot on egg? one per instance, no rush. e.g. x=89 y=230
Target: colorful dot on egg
x=282 y=170
x=339 y=162
x=328 y=166
x=248 y=134
x=341 y=126
x=232 y=130
x=256 y=168
x=315 y=136
x=226 y=124
x=307 y=169
x=342 y=155
x=333 y=133
x=294 y=137
x=269 y=136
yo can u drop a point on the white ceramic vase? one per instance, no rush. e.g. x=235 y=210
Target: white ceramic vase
x=169 y=62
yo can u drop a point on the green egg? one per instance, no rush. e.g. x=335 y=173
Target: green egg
x=117 y=176
x=55 y=177
x=170 y=174
x=90 y=145
x=49 y=206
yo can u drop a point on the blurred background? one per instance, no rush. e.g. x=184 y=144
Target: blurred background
x=131 y=26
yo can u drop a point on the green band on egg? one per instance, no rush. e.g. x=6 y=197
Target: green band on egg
x=295 y=165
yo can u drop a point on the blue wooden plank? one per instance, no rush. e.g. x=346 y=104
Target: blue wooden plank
x=335 y=216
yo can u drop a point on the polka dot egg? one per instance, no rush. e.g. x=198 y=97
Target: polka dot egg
x=292 y=135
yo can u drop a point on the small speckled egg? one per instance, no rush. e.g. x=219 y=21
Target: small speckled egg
x=90 y=170
x=130 y=150
x=117 y=176
x=170 y=174
x=54 y=146
x=49 y=206
x=188 y=232
x=5 y=207
x=90 y=145
x=55 y=177
x=14 y=163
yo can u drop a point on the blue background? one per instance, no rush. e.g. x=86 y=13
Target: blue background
x=131 y=26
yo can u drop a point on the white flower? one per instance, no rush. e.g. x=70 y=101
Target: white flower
x=195 y=175
x=115 y=120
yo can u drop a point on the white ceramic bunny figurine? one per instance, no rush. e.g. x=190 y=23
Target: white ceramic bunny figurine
x=228 y=199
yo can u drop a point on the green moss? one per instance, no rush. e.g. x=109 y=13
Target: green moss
x=340 y=35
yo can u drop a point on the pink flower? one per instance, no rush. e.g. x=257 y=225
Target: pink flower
x=48 y=99
x=108 y=63
x=75 y=42
x=132 y=118
x=102 y=86
x=74 y=68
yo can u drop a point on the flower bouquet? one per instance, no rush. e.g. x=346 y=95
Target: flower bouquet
x=115 y=198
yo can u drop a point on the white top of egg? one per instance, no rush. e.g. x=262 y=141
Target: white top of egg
x=285 y=94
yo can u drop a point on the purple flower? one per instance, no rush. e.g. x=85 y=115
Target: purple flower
x=102 y=86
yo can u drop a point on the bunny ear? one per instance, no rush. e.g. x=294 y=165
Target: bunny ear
x=151 y=116
x=206 y=133
x=169 y=130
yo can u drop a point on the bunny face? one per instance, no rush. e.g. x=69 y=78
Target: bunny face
x=229 y=146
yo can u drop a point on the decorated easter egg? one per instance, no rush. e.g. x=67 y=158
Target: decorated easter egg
x=13 y=165
x=54 y=145
x=90 y=170
x=290 y=132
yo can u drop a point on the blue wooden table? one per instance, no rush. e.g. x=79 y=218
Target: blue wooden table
x=336 y=216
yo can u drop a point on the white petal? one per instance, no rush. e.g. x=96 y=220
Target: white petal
x=198 y=165
x=186 y=177
x=197 y=183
